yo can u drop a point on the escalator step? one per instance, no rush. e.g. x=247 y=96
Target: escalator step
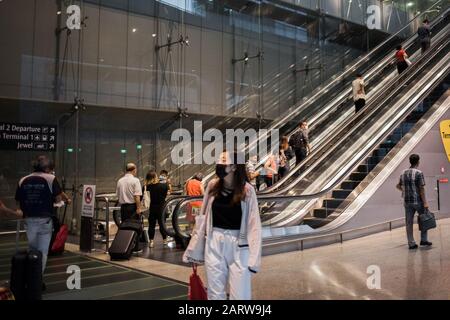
x=341 y=194
x=381 y=152
x=374 y=160
x=331 y=203
x=363 y=168
x=322 y=212
x=349 y=185
x=358 y=176
x=314 y=222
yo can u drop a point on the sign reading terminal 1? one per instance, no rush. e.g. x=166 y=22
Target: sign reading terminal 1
x=27 y=137
x=445 y=135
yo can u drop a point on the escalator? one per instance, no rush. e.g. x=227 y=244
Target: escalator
x=327 y=169
x=329 y=106
x=334 y=117
x=323 y=194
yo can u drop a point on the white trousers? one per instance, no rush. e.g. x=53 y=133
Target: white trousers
x=226 y=263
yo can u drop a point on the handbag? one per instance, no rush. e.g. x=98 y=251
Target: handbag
x=197 y=290
x=145 y=199
x=427 y=220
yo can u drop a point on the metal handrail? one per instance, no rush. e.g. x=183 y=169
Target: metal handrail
x=274 y=242
x=106 y=198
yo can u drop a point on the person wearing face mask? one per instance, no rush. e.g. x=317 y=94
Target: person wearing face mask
x=228 y=239
x=164 y=178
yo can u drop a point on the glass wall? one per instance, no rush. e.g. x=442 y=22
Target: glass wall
x=122 y=58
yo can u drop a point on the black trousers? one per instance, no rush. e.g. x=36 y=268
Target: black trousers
x=127 y=211
x=401 y=66
x=359 y=104
x=282 y=171
x=300 y=155
x=425 y=45
x=268 y=181
x=155 y=214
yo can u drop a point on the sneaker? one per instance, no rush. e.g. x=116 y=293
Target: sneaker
x=426 y=243
x=412 y=247
x=151 y=244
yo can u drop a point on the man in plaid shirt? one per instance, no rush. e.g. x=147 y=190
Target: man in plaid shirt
x=412 y=185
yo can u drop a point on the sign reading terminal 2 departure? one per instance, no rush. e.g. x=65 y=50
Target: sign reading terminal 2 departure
x=27 y=137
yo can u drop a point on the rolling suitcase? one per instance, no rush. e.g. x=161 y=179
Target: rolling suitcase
x=26 y=275
x=135 y=224
x=17 y=281
x=59 y=236
x=123 y=244
x=33 y=275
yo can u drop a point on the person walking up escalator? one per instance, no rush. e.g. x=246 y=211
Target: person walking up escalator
x=402 y=59
x=424 y=35
x=359 y=93
x=299 y=142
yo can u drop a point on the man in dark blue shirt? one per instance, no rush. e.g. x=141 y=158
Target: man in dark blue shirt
x=424 y=35
x=36 y=193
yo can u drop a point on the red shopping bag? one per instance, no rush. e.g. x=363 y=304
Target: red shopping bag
x=197 y=290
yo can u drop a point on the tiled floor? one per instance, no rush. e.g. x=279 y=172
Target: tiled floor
x=338 y=271
x=341 y=271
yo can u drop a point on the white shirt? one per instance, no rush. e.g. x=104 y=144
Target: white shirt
x=127 y=187
x=357 y=84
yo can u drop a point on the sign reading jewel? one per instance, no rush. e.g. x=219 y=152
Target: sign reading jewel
x=27 y=137
x=445 y=135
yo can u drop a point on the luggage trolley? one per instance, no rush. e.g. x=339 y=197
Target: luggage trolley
x=105 y=206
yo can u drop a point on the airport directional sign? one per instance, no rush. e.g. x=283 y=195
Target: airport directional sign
x=27 y=137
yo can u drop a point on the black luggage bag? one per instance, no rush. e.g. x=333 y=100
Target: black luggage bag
x=135 y=224
x=26 y=275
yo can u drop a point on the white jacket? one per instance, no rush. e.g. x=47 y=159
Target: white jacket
x=250 y=233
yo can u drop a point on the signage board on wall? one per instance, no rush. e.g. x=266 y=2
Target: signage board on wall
x=445 y=135
x=27 y=137
x=88 y=201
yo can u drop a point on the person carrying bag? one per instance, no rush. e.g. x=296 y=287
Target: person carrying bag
x=427 y=220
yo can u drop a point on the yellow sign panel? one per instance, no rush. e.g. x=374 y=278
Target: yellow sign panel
x=445 y=134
